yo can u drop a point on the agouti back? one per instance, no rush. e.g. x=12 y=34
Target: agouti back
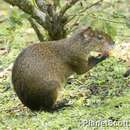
x=40 y=70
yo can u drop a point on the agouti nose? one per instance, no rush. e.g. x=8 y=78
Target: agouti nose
x=110 y=49
x=111 y=46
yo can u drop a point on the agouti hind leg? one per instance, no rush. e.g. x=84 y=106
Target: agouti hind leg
x=51 y=95
x=45 y=99
x=57 y=98
x=51 y=101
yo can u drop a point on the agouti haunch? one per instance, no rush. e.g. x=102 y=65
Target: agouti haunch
x=41 y=70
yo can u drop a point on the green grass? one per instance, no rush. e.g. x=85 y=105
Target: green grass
x=107 y=93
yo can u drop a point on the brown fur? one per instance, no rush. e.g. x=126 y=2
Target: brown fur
x=40 y=70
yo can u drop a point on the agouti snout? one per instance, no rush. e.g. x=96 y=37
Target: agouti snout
x=40 y=70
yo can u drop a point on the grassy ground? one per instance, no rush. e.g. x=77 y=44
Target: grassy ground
x=101 y=94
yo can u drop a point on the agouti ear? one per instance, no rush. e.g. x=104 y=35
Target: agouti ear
x=87 y=29
x=87 y=32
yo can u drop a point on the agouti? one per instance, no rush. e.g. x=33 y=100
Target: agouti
x=41 y=70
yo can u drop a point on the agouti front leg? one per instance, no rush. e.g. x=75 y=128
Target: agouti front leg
x=51 y=95
x=53 y=99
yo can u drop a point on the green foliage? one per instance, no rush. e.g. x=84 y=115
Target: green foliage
x=128 y=22
x=16 y=19
x=110 y=17
x=110 y=29
x=107 y=93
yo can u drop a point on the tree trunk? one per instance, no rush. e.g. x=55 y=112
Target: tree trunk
x=49 y=14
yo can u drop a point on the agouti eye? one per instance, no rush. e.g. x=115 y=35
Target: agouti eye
x=100 y=37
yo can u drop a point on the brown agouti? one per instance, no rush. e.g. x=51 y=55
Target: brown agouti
x=41 y=70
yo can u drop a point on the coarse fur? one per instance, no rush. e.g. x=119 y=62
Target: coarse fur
x=41 y=70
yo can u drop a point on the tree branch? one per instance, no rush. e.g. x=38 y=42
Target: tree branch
x=34 y=26
x=90 y=6
x=57 y=3
x=48 y=9
x=82 y=11
x=41 y=5
x=68 y=6
x=28 y=8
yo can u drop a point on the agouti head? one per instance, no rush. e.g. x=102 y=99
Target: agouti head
x=93 y=40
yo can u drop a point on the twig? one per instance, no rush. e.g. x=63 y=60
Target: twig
x=3 y=20
x=122 y=35
x=41 y=5
x=82 y=11
x=97 y=17
x=90 y=6
x=34 y=26
x=68 y=6
x=57 y=3
x=109 y=20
